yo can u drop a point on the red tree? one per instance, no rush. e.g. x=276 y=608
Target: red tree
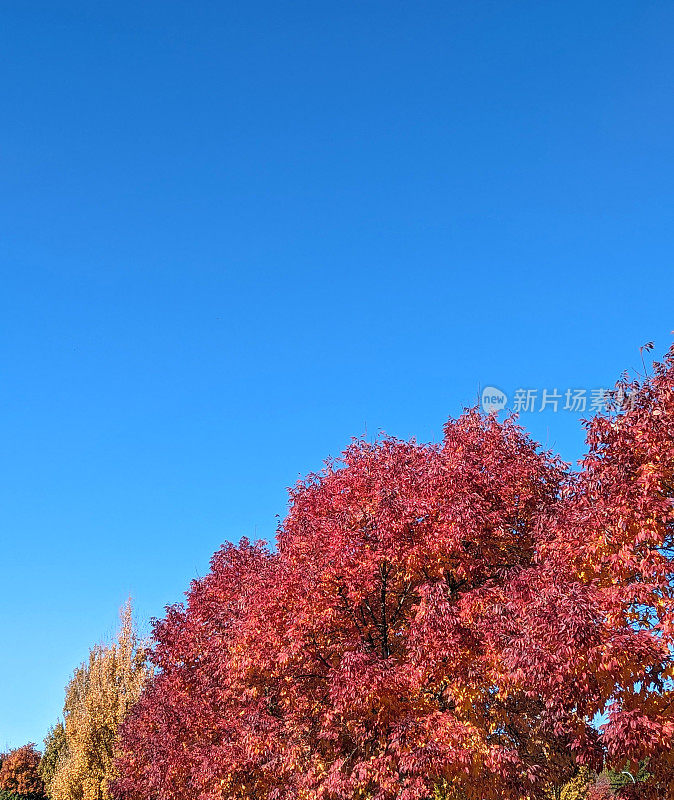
x=434 y=616
x=616 y=531
x=19 y=772
x=404 y=635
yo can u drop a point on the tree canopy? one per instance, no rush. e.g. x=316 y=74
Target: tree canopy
x=443 y=617
x=19 y=776
x=79 y=755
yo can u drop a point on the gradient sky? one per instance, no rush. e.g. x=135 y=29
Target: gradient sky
x=236 y=234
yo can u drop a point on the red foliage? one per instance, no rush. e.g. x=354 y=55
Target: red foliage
x=19 y=771
x=601 y=790
x=452 y=613
x=616 y=530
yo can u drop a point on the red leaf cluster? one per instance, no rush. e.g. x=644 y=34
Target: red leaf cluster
x=600 y=790
x=19 y=772
x=617 y=532
x=449 y=615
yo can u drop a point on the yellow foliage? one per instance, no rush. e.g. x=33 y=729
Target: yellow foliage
x=98 y=697
x=575 y=789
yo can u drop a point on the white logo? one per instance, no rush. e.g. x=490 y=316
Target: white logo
x=493 y=399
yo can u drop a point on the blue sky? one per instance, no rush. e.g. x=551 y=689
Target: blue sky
x=234 y=235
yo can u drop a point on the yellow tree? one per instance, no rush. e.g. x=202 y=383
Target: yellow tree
x=55 y=750
x=98 y=697
x=576 y=788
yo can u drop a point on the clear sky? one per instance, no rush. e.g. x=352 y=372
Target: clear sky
x=235 y=234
